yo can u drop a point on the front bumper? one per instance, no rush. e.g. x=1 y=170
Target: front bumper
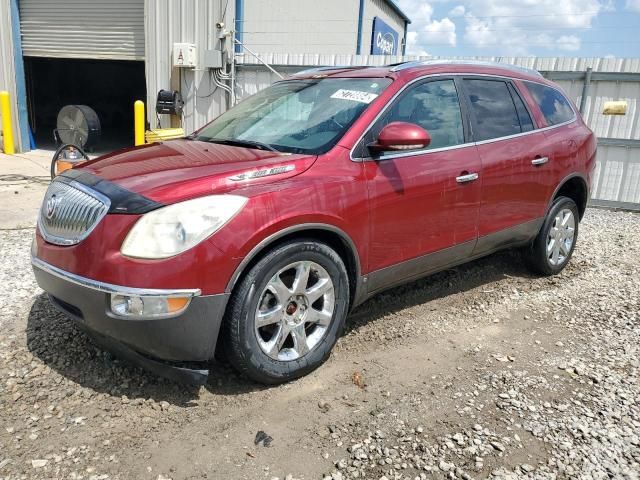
x=151 y=343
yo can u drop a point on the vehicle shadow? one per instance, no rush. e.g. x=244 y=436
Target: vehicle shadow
x=61 y=345
x=66 y=349
x=465 y=277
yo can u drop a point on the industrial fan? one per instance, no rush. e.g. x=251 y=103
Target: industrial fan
x=78 y=128
x=78 y=125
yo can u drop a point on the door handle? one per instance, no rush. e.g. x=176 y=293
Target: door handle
x=468 y=177
x=539 y=161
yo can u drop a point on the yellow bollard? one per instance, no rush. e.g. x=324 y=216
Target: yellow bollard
x=138 y=122
x=7 y=127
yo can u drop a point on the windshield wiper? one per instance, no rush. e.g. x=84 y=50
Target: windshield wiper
x=244 y=143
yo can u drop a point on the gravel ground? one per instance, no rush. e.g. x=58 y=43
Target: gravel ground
x=482 y=371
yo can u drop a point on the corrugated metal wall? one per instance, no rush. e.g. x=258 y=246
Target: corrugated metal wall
x=7 y=66
x=608 y=126
x=301 y=26
x=190 y=21
x=617 y=178
x=83 y=29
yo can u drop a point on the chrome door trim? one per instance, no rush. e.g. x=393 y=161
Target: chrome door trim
x=109 y=287
x=464 y=145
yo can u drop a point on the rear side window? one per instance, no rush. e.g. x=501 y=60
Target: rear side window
x=526 y=124
x=554 y=106
x=495 y=113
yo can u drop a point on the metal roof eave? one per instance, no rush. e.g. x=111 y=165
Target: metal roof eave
x=398 y=10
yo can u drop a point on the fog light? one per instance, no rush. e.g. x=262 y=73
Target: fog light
x=135 y=306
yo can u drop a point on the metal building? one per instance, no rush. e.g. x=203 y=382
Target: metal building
x=329 y=26
x=64 y=52
x=108 y=54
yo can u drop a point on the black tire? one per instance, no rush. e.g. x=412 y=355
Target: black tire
x=535 y=255
x=239 y=337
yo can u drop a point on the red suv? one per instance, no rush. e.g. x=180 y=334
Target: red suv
x=258 y=233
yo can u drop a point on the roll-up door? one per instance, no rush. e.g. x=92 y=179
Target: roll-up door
x=98 y=29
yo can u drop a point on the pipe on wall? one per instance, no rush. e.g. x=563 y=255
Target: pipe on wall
x=585 y=89
x=360 y=19
x=239 y=25
x=404 y=38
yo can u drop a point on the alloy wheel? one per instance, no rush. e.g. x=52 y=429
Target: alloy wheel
x=294 y=311
x=560 y=237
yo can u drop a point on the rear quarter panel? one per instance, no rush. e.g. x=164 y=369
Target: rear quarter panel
x=574 y=152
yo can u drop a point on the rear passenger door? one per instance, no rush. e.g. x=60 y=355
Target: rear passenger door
x=513 y=156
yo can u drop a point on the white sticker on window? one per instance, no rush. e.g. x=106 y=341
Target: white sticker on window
x=355 y=95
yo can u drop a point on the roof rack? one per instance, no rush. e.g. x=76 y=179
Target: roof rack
x=324 y=69
x=424 y=63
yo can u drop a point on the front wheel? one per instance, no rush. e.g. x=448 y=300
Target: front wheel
x=287 y=312
x=552 y=248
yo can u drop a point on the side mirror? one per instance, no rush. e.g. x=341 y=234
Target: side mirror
x=400 y=137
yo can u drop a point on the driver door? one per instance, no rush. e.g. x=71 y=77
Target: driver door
x=424 y=205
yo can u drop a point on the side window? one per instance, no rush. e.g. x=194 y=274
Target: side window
x=495 y=112
x=554 y=106
x=526 y=124
x=432 y=105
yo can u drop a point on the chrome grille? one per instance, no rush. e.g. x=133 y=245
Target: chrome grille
x=69 y=212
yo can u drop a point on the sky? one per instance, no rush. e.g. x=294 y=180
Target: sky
x=548 y=28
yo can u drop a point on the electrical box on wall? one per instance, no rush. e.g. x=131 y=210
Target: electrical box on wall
x=212 y=59
x=184 y=55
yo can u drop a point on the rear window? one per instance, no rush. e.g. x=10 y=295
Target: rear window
x=554 y=106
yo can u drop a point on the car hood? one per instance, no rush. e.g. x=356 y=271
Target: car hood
x=181 y=169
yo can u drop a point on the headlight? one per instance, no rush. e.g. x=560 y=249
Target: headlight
x=171 y=230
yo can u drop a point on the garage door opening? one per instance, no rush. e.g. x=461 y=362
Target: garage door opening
x=110 y=87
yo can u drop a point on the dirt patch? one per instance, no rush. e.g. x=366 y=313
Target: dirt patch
x=480 y=371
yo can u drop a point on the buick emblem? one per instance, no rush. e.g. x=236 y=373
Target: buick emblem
x=52 y=204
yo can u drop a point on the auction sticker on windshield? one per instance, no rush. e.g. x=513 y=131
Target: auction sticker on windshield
x=355 y=95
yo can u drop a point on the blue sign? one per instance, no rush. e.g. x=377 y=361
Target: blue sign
x=384 y=39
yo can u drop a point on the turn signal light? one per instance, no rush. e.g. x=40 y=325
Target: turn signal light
x=175 y=304
x=134 y=306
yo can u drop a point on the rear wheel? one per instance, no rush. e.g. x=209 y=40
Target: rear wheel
x=287 y=313
x=552 y=248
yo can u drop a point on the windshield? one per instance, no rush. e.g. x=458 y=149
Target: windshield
x=296 y=116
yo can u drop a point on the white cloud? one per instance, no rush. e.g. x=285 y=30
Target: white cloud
x=633 y=5
x=457 y=11
x=424 y=30
x=440 y=32
x=412 y=45
x=517 y=27
x=498 y=27
x=570 y=43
